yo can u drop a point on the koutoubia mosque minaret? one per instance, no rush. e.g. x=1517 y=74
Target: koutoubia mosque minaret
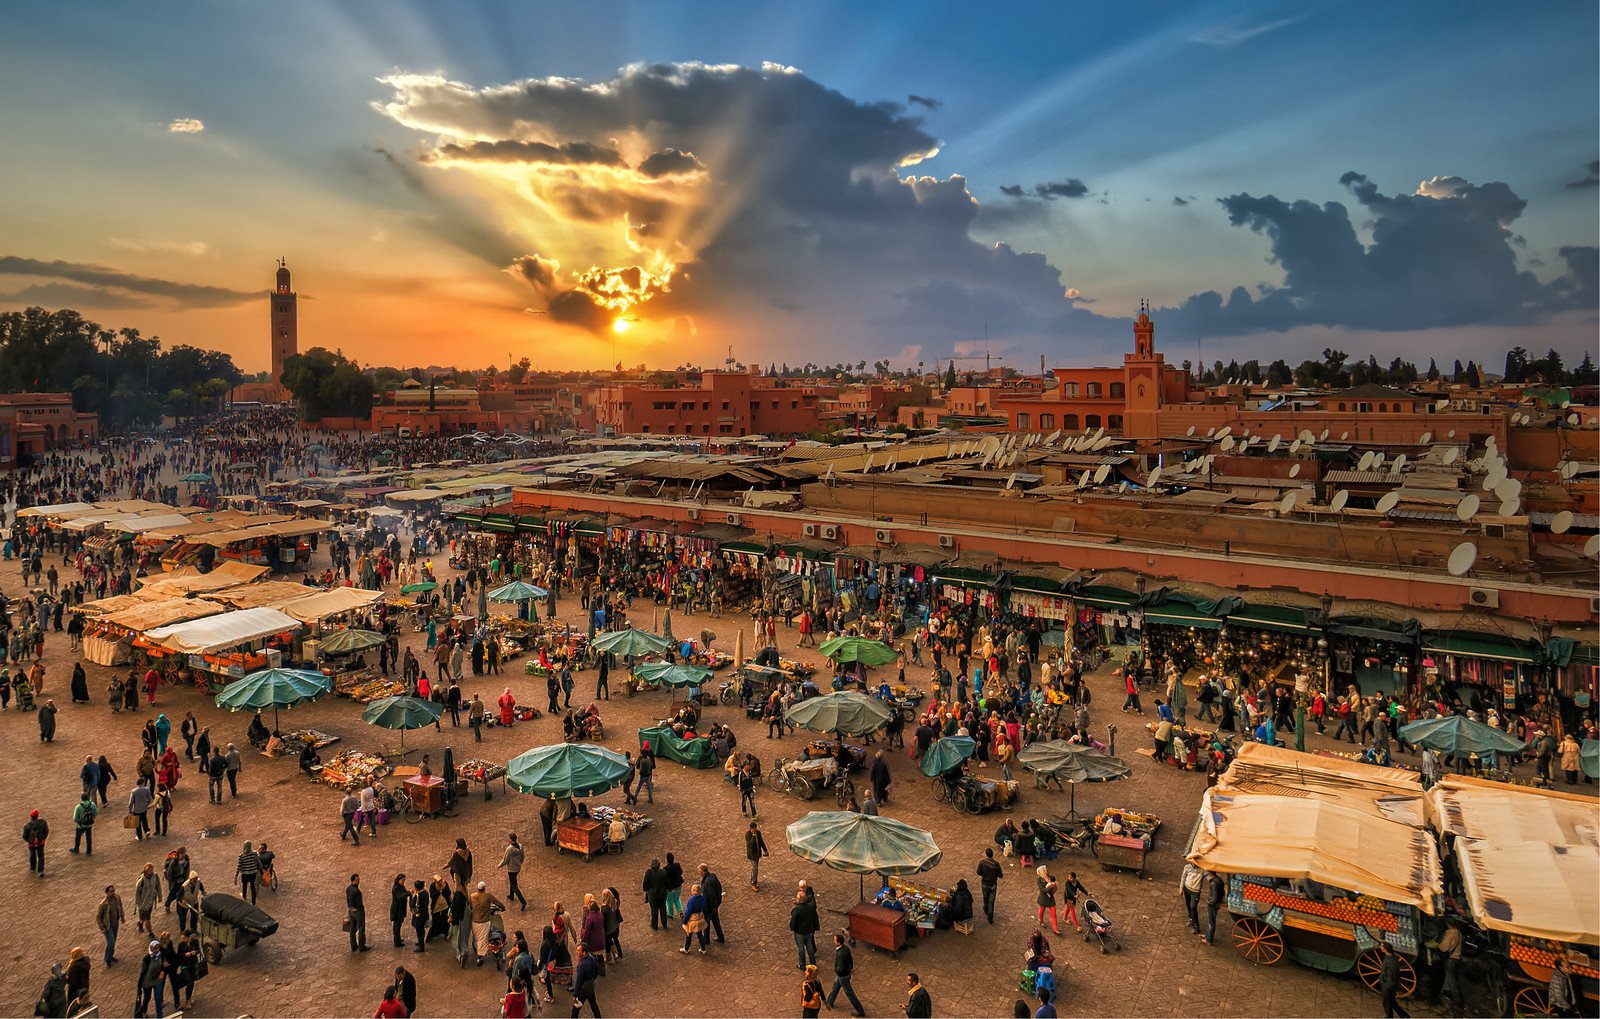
x=285 y=335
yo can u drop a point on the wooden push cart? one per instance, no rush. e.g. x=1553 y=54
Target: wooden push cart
x=581 y=835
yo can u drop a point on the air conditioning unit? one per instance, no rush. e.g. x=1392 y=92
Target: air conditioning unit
x=884 y=536
x=1494 y=530
x=1594 y=606
x=694 y=513
x=733 y=518
x=947 y=541
x=829 y=532
x=1485 y=597
x=809 y=530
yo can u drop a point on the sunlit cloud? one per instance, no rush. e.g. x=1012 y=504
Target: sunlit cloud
x=194 y=249
x=186 y=125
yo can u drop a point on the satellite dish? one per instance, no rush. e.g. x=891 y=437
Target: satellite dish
x=1227 y=430
x=1461 y=559
x=1339 y=500
x=1442 y=405
x=1100 y=473
x=1592 y=546
x=1451 y=455
x=1450 y=434
x=1365 y=462
x=1342 y=435
x=1211 y=433
x=1377 y=460
x=1509 y=507
x=1012 y=480
x=1569 y=470
x=1053 y=437
x=1227 y=443
x=1388 y=502
x=1155 y=476
x=1083 y=480
x=1427 y=437
x=1294 y=447
x=1286 y=504
x=1508 y=489
x=1272 y=443
x=1398 y=464
x=1325 y=435
x=1294 y=472
x=1573 y=419
x=1306 y=436
x=1565 y=404
x=1467 y=508
x=1488 y=442
x=1190 y=432
x=1102 y=442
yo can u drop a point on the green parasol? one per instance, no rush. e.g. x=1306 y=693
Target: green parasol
x=1460 y=736
x=567 y=770
x=346 y=642
x=862 y=843
x=402 y=713
x=274 y=688
x=947 y=753
x=630 y=643
x=196 y=477
x=672 y=675
x=517 y=591
x=1074 y=762
x=425 y=585
x=1589 y=757
x=858 y=649
x=840 y=714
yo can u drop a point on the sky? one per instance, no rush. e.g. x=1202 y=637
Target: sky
x=589 y=184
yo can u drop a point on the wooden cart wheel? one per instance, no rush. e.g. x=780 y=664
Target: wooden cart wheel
x=1369 y=967
x=804 y=788
x=1531 y=1001
x=1257 y=941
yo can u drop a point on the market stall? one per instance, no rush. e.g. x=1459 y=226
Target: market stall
x=563 y=772
x=694 y=753
x=354 y=769
x=225 y=646
x=863 y=844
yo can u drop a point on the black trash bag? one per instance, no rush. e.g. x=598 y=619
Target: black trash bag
x=239 y=914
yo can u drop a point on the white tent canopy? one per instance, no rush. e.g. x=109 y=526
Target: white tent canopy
x=230 y=629
x=323 y=604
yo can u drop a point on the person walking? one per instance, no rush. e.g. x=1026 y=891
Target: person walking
x=349 y=807
x=146 y=895
x=475 y=713
x=747 y=791
x=139 y=803
x=755 y=847
x=1069 y=899
x=215 y=769
x=1389 y=982
x=248 y=871
x=481 y=905
x=711 y=888
x=108 y=917
x=34 y=832
x=654 y=887
x=1190 y=884
x=1047 y=887
x=584 y=977
x=803 y=924
x=399 y=899
x=844 y=966
x=989 y=874
x=233 y=763
x=647 y=771
x=189 y=728
x=879 y=777
x=47 y=722
x=83 y=818
x=810 y=994
x=405 y=989
x=152 y=982
x=694 y=920
x=511 y=860
x=918 y=1004
x=1571 y=758
x=672 y=877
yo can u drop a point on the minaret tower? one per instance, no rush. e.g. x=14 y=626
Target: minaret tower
x=285 y=337
x=1144 y=370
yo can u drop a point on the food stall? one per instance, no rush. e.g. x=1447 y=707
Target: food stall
x=225 y=646
x=864 y=844
x=1123 y=838
x=1323 y=858
x=694 y=753
x=354 y=767
x=484 y=773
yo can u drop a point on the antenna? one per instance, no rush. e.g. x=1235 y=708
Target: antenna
x=1461 y=559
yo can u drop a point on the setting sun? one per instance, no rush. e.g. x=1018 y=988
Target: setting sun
x=620 y=325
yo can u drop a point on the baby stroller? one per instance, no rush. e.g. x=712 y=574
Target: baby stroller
x=497 y=939
x=1098 y=925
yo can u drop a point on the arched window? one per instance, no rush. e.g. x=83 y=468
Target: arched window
x=1046 y=421
x=1091 y=421
x=1383 y=408
x=1118 y=390
x=1114 y=422
x=1341 y=406
x=1070 y=388
x=1094 y=389
x=1024 y=422
x=1069 y=421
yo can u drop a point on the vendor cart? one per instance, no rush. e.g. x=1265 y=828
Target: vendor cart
x=227 y=921
x=427 y=796
x=878 y=926
x=803 y=779
x=581 y=835
x=975 y=795
x=1122 y=852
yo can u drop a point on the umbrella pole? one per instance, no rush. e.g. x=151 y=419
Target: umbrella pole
x=1072 y=813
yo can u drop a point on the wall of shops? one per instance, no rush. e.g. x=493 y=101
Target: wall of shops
x=1427 y=592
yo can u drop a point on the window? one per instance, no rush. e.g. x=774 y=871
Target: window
x=1114 y=422
x=706 y=405
x=1070 y=388
x=1024 y=422
x=1069 y=421
x=724 y=404
x=1094 y=389
x=1341 y=406
x=1383 y=408
x=1091 y=421
x=774 y=404
x=671 y=429
x=794 y=404
x=688 y=406
x=725 y=429
x=645 y=429
x=1118 y=391
x=1046 y=421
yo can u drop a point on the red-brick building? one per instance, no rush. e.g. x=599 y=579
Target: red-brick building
x=718 y=403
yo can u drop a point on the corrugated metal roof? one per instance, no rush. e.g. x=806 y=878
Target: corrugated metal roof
x=1361 y=478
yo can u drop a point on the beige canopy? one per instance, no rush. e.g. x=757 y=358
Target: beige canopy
x=227 y=630
x=1478 y=809
x=1533 y=888
x=166 y=611
x=1299 y=839
x=323 y=604
x=263 y=593
x=1382 y=792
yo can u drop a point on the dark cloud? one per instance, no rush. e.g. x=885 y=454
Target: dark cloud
x=925 y=102
x=571 y=153
x=192 y=295
x=1073 y=188
x=575 y=307
x=665 y=161
x=446 y=217
x=536 y=271
x=71 y=295
x=1178 y=201
x=1590 y=178
x=1014 y=190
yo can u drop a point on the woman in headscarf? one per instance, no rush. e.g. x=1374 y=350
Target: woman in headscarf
x=507 y=704
x=168 y=770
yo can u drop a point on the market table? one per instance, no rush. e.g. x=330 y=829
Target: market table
x=483 y=772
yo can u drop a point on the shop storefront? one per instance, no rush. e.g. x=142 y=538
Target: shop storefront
x=1481 y=671
x=1373 y=654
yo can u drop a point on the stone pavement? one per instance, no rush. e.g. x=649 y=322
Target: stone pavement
x=306 y=969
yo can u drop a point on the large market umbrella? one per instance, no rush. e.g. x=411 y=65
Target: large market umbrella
x=196 y=477
x=947 y=753
x=862 y=843
x=274 y=688
x=567 y=770
x=1589 y=757
x=630 y=643
x=345 y=642
x=672 y=675
x=858 y=649
x=402 y=713
x=1074 y=762
x=420 y=586
x=517 y=591
x=840 y=714
x=1460 y=736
